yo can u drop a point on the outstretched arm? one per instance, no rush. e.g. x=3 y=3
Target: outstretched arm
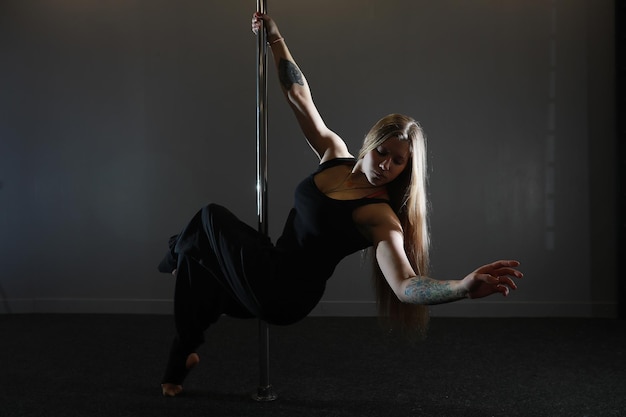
x=489 y=279
x=325 y=143
x=385 y=231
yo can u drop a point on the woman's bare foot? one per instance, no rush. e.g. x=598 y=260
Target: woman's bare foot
x=172 y=390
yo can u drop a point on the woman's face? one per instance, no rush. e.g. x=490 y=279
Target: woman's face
x=384 y=163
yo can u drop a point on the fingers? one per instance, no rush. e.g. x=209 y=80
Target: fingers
x=502 y=264
x=502 y=290
x=488 y=278
x=502 y=284
x=256 y=22
x=259 y=17
x=507 y=271
x=506 y=282
x=495 y=266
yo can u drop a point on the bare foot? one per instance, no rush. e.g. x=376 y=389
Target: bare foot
x=172 y=390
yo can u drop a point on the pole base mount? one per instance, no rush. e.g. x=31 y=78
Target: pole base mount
x=265 y=394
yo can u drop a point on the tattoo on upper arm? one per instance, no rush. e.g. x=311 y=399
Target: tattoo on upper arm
x=289 y=74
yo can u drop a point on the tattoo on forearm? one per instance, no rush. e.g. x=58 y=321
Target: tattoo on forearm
x=431 y=291
x=289 y=74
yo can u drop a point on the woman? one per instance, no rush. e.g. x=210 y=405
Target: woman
x=378 y=200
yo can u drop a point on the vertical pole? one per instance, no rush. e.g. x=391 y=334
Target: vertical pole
x=265 y=391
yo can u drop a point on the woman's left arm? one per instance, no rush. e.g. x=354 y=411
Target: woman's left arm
x=325 y=142
x=386 y=233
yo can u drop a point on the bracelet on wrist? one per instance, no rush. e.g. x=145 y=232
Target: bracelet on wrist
x=276 y=41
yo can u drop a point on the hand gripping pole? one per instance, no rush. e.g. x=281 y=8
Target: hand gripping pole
x=265 y=392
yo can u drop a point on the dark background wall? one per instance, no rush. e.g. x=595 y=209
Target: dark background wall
x=119 y=119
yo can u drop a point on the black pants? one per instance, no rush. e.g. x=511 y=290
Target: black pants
x=224 y=266
x=221 y=264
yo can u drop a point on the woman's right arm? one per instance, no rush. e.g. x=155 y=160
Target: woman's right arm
x=326 y=143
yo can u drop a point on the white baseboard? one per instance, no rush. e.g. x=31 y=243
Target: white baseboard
x=86 y=306
x=477 y=308
x=474 y=308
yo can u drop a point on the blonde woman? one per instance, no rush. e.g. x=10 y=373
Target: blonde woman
x=376 y=201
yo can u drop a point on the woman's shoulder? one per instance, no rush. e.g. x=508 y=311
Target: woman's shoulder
x=337 y=149
x=337 y=152
x=330 y=163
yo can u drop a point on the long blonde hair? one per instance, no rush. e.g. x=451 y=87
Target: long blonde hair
x=408 y=198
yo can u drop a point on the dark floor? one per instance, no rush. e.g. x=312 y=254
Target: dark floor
x=110 y=365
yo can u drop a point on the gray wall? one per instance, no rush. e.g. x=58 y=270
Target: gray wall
x=119 y=119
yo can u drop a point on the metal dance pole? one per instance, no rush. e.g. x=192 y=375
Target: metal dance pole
x=265 y=392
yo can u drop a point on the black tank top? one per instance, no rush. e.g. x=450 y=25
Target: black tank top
x=320 y=230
